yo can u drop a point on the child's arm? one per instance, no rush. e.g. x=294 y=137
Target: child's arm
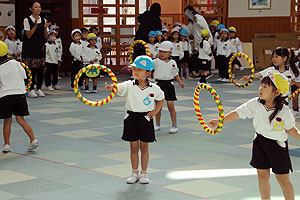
x=179 y=81
x=294 y=132
x=246 y=78
x=159 y=105
x=230 y=117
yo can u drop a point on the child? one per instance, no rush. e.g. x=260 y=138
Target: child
x=58 y=42
x=295 y=86
x=177 y=52
x=13 y=43
x=159 y=37
x=76 y=51
x=138 y=123
x=95 y=30
x=213 y=27
x=92 y=55
x=273 y=122
x=165 y=71
x=184 y=46
x=165 y=34
x=224 y=53
x=84 y=33
x=237 y=48
x=52 y=59
x=151 y=44
x=204 y=56
x=13 y=99
x=216 y=39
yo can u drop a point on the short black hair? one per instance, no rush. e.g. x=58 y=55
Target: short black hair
x=84 y=30
x=93 y=27
x=31 y=3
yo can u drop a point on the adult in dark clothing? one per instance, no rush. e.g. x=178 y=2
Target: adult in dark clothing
x=35 y=29
x=149 y=21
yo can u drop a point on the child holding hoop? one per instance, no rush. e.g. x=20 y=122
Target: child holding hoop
x=273 y=122
x=13 y=99
x=138 y=123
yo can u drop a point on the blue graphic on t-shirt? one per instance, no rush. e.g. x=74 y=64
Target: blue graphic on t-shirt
x=146 y=101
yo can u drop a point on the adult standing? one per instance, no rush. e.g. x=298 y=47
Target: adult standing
x=33 y=43
x=149 y=21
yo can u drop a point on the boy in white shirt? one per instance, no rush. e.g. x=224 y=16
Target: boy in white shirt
x=13 y=99
x=152 y=44
x=237 y=48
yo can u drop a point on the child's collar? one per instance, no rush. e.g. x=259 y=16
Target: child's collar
x=4 y=61
x=136 y=82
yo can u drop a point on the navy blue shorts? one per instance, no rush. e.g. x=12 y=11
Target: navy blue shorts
x=13 y=105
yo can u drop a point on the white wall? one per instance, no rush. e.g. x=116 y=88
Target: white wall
x=239 y=8
x=75 y=13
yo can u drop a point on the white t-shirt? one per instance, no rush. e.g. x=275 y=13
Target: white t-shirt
x=12 y=75
x=198 y=27
x=184 y=45
x=205 y=52
x=165 y=70
x=237 y=45
x=52 y=53
x=90 y=54
x=140 y=99
x=224 y=48
x=153 y=50
x=177 y=50
x=27 y=25
x=60 y=46
x=13 y=47
x=76 y=51
x=276 y=130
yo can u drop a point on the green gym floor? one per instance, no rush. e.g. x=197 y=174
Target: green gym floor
x=82 y=156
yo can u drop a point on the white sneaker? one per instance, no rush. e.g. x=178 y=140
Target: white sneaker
x=219 y=79
x=82 y=87
x=133 y=178
x=233 y=76
x=59 y=77
x=188 y=77
x=57 y=87
x=6 y=148
x=144 y=179
x=33 y=145
x=40 y=93
x=295 y=113
x=50 y=88
x=242 y=68
x=209 y=76
x=156 y=127
x=173 y=130
x=182 y=78
x=32 y=94
x=225 y=80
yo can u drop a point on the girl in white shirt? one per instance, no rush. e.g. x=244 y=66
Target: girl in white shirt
x=13 y=43
x=152 y=44
x=177 y=52
x=205 y=55
x=237 y=48
x=184 y=46
x=273 y=122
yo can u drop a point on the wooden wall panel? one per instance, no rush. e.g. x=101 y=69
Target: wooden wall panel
x=247 y=26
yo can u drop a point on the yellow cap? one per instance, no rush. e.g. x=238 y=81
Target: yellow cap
x=232 y=29
x=214 y=23
x=3 y=49
x=91 y=36
x=280 y=81
x=205 y=33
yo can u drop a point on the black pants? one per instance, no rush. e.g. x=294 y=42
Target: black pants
x=222 y=63
x=37 y=73
x=51 y=69
x=76 y=67
x=193 y=64
x=236 y=62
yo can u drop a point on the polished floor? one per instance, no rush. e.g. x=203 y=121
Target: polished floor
x=82 y=156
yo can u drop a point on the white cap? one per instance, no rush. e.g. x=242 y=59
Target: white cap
x=176 y=29
x=75 y=31
x=166 y=46
x=10 y=27
x=53 y=27
x=51 y=31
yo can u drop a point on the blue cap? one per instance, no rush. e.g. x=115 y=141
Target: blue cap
x=158 y=33
x=152 y=34
x=184 y=32
x=224 y=29
x=220 y=27
x=143 y=62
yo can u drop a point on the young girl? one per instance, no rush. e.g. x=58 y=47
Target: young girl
x=224 y=53
x=237 y=48
x=13 y=99
x=58 y=42
x=13 y=43
x=84 y=33
x=204 y=56
x=138 y=123
x=273 y=122
x=91 y=55
x=177 y=52
x=184 y=46
x=159 y=38
x=165 y=34
x=165 y=71
x=152 y=45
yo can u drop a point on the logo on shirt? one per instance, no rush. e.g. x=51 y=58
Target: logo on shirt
x=56 y=50
x=151 y=95
x=278 y=124
x=146 y=101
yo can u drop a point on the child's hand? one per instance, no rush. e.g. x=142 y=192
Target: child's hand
x=95 y=60
x=81 y=61
x=213 y=123
x=108 y=87
x=151 y=55
x=92 y=61
x=181 y=84
x=151 y=114
x=245 y=78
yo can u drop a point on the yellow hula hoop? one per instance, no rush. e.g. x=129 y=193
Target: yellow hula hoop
x=131 y=49
x=29 y=78
x=230 y=70
x=294 y=94
x=95 y=103
x=219 y=104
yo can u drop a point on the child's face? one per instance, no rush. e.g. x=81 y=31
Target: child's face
x=93 y=42
x=183 y=38
x=56 y=31
x=267 y=92
x=207 y=37
x=139 y=73
x=159 y=37
x=213 y=28
x=164 y=55
x=53 y=35
x=151 y=39
x=166 y=35
x=77 y=37
x=278 y=60
x=84 y=34
x=232 y=35
x=95 y=31
x=224 y=35
x=175 y=35
x=11 y=33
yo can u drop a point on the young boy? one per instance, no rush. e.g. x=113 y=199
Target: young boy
x=237 y=48
x=138 y=123
x=91 y=55
x=152 y=44
x=13 y=99
x=165 y=71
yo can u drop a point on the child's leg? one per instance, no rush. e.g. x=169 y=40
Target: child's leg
x=94 y=83
x=264 y=185
x=158 y=117
x=181 y=72
x=286 y=186
x=172 y=111
x=144 y=155
x=86 y=83
x=48 y=75
x=54 y=74
x=26 y=127
x=187 y=70
x=295 y=102
x=134 y=155
x=7 y=130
